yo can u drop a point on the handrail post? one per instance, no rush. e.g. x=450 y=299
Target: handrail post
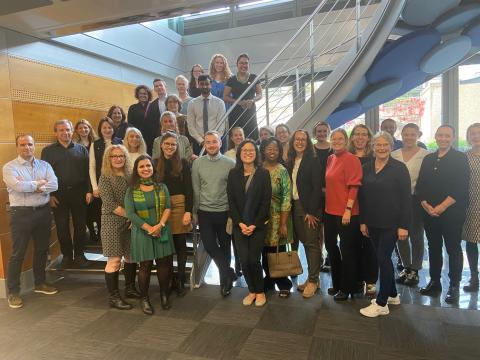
x=297 y=85
x=312 y=68
x=267 y=106
x=357 y=23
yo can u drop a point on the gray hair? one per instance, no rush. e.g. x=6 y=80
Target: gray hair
x=60 y=122
x=384 y=135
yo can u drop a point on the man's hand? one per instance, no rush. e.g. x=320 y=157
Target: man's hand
x=54 y=201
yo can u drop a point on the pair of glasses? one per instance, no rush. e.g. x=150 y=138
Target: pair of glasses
x=117 y=157
x=170 y=144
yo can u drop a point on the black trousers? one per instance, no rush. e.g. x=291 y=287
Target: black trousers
x=283 y=283
x=384 y=241
x=250 y=251
x=367 y=260
x=28 y=224
x=343 y=260
x=216 y=240
x=449 y=231
x=94 y=215
x=71 y=201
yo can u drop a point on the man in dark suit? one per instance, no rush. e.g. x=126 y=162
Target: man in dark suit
x=155 y=110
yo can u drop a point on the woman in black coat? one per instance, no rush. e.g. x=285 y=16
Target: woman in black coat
x=249 y=193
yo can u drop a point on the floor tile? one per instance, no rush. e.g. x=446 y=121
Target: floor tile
x=229 y=313
x=337 y=349
x=295 y=320
x=125 y=352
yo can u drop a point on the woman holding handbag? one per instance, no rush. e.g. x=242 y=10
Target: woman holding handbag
x=249 y=193
x=280 y=227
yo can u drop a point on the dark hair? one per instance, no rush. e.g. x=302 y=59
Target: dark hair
x=244 y=55
x=292 y=154
x=135 y=179
x=103 y=120
x=368 y=146
x=321 y=123
x=239 y=163
x=21 y=136
x=113 y=107
x=177 y=99
x=271 y=140
x=446 y=126
x=157 y=79
x=175 y=161
x=204 y=77
x=143 y=87
x=192 y=84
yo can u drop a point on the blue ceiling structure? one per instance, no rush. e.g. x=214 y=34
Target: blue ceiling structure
x=445 y=32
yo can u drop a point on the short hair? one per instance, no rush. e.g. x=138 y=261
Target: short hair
x=368 y=146
x=388 y=119
x=385 y=135
x=239 y=162
x=213 y=132
x=267 y=128
x=244 y=55
x=343 y=132
x=107 y=169
x=446 y=126
x=411 y=126
x=182 y=77
x=144 y=87
x=91 y=136
x=157 y=79
x=204 y=77
x=103 y=120
x=142 y=148
x=321 y=123
x=470 y=128
x=21 y=136
x=60 y=122
x=176 y=98
x=226 y=69
x=113 y=107
x=285 y=126
x=271 y=140
x=231 y=145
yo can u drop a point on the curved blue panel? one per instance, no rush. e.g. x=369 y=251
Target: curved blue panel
x=380 y=93
x=456 y=19
x=343 y=113
x=357 y=89
x=445 y=55
x=403 y=55
x=411 y=81
x=473 y=32
x=424 y=12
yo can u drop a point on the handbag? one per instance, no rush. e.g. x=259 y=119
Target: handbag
x=284 y=263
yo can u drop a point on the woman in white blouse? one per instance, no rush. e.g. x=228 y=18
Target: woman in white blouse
x=135 y=144
x=411 y=252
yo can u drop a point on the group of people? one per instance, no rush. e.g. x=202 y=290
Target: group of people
x=140 y=185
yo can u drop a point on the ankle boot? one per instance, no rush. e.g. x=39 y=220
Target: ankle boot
x=180 y=285
x=473 y=284
x=164 y=298
x=130 y=272
x=115 y=300
x=147 y=307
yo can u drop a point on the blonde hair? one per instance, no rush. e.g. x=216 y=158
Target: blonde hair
x=142 y=148
x=92 y=136
x=107 y=169
x=226 y=69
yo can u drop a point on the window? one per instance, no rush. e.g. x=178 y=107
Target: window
x=280 y=106
x=468 y=104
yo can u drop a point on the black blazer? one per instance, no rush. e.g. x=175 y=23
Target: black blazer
x=309 y=185
x=257 y=210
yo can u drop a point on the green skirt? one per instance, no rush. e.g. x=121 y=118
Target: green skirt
x=145 y=247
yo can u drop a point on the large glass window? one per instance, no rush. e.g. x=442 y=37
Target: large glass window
x=468 y=101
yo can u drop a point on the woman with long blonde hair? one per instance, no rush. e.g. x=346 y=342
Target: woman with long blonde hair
x=135 y=144
x=219 y=72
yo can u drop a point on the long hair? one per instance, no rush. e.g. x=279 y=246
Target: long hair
x=175 y=161
x=271 y=140
x=142 y=148
x=177 y=99
x=292 y=154
x=135 y=178
x=110 y=112
x=172 y=116
x=107 y=169
x=226 y=69
x=193 y=84
x=368 y=146
x=91 y=135
x=239 y=162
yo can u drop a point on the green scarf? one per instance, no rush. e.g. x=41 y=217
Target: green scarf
x=141 y=203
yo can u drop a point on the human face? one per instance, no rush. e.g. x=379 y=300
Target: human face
x=197 y=71
x=160 y=88
x=117 y=159
x=169 y=146
x=382 y=148
x=143 y=96
x=282 y=135
x=237 y=137
x=360 y=138
x=25 y=147
x=264 y=134
x=473 y=137
x=389 y=126
x=321 y=133
x=247 y=154
x=83 y=130
x=219 y=65
x=300 y=142
x=444 y=138
x=133 y=140
x=64 y=133
x=409 y=137
x=116 y=117
x=106 y=130
x=172 y=105
x=338 y=141
x=205 y=87
x=243 y=65
x=145 y=168
x=271 y=152
x=168 y=123
x=181 y=85
x=212 y=144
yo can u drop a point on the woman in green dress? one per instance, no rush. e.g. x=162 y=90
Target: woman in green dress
x=147 y=204
x=280 y=228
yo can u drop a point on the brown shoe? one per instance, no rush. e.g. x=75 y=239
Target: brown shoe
x=260 y=300
x=15 y=301
x=45 y=289
x=301 y=287
x=310 y=289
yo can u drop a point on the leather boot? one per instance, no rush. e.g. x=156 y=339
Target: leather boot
x=130 y=272
x=115 y=300
x=180 y=285
x=433 y=288
x=473 y=284
x=147 y=307
x=164 y=298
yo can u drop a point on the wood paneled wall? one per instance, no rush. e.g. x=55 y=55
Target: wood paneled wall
x=33 y=96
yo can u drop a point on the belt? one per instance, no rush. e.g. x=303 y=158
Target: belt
x=29 y=207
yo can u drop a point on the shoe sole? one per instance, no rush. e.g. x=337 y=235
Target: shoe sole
x=394 y=302
x=45 y=292
x=15 y=306
x=374 y=316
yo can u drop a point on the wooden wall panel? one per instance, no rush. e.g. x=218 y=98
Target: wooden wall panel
x=7 y=131
x=4 y=76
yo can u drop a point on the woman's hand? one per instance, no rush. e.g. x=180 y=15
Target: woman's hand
x=187 y=218
x=96 y=193
x=312 y=221
x=364 y=230
x=283 y=230
x=346 y=217
x=438 y=210
x=428 y=208
x=402 y=234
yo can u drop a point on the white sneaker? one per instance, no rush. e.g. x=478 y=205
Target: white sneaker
x=374 y=310
x=394 y=300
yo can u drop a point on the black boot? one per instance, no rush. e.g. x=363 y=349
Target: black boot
x=130 y=272
x=473 y=284
x=433 y=288
x=453 y=294
x=115 y=300
x=147 y=308
x=164 y=294
x=180 y=285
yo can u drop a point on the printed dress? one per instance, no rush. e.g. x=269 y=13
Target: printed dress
x=471 y=230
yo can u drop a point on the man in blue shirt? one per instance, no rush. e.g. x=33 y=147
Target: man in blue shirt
x=29 y=184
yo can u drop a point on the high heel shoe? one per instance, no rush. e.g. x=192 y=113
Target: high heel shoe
x=341 y=296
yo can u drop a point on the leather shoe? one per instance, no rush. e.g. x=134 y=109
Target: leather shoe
x=341 y=296
x=472 y=285
x=226 y=288
x=433 y=288
x=147 y=308
x=453 y=295
x=332 y=291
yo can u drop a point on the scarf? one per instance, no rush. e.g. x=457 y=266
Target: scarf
x=141 y=203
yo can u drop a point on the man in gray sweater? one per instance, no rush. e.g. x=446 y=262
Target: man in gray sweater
x=210 y=202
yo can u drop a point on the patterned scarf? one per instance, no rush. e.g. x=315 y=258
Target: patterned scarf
x=141 y=203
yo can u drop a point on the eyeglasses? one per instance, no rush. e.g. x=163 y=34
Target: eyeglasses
x=170 y=144
x=117 y=157
x=248 y=151
x=300 y=140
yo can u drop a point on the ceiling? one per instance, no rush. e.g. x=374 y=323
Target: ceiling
x=52 y=18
